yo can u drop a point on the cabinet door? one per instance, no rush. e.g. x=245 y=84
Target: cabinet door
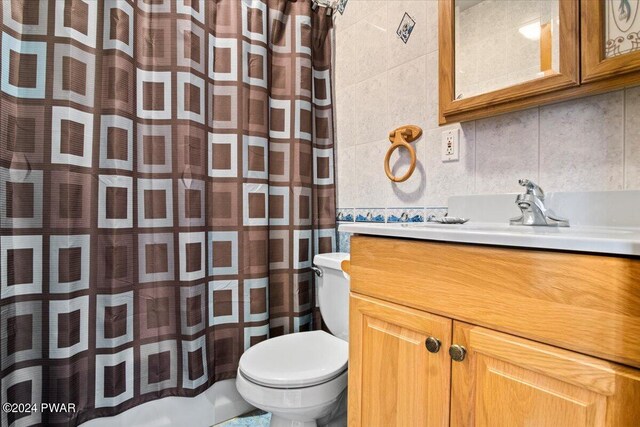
x=610 y=38
x=393 y=379
x=505 y=381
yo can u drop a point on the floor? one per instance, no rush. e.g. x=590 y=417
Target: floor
x=255 y=418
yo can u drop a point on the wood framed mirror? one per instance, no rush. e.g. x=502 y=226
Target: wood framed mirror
x=497 y=56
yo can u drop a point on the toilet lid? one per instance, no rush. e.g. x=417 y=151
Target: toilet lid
x=297 y=360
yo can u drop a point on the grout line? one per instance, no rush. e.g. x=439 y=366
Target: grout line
x=475 y=157
x=624 y=138
x=539 y=154
x=406 y=63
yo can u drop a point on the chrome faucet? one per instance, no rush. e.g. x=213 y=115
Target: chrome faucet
x=534 y=212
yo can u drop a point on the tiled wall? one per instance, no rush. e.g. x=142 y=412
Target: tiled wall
x=380 y=215
x=381 y=83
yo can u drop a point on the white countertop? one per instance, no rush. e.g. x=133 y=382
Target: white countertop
x=607 y=240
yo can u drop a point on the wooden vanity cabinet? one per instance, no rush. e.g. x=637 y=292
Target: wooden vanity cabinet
x=509 y=381
x=550 y=339
x=394 y=379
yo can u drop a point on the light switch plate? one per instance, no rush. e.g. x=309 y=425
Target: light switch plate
x=451 y=145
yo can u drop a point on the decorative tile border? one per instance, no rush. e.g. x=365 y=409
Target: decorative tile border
x=381 y=215
x=388 y=215
x=437 y=212
x=345 y=215
x=405 y=214
x=370 y=215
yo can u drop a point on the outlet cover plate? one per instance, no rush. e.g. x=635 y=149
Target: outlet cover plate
x=451 y=145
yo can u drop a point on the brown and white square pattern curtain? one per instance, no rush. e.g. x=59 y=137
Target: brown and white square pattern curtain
x=166 y=176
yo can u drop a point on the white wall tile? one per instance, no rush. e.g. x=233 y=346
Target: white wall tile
x=346 y=178
x=431 y=77
x=506 y=150
x=373 y=188
x=345 y=68
x=345 y=116
x=371 y=109
x=451 y=178
x=432 y=25
x=369 y=7
x=407 y=100
x=632 y=139
x=398 y=51
x=371 y=44
x=356 y=11
x=581 y=144
x=353 y=12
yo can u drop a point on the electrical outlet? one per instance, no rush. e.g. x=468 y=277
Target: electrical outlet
x=451 y=145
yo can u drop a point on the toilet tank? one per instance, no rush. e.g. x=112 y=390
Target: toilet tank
x=333 y=293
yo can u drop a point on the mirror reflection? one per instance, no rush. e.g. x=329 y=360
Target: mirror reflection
x=500 y=43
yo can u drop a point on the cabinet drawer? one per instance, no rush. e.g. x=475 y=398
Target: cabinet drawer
x=584 y=302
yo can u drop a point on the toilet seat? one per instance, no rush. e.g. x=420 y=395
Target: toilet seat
x=303 y=359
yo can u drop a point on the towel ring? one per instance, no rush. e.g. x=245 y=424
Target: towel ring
x=401 y=137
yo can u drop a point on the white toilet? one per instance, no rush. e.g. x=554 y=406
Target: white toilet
x=301 y=378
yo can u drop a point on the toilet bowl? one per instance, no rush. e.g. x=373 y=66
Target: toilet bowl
x=301 y=378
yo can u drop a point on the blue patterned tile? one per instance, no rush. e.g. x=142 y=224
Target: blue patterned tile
x=344 y=241
x=342 y=4
x=345 y=215
x=406 y=27
x=370 y=215
x=405 y=215
x=438 y=212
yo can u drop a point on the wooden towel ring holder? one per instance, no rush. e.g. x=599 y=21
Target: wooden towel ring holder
x=401 y=137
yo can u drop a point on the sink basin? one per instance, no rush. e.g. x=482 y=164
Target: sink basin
x=600 y=222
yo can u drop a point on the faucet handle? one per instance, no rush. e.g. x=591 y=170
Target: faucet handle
x=532 y=188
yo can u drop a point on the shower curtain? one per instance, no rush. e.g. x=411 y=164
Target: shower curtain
x=166 y=176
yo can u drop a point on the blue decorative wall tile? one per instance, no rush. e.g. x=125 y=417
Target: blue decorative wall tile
x=436 y=211
x=370 y=215
x=345 y=215
x=341 y=5
x=405 y=214
x=405 y=28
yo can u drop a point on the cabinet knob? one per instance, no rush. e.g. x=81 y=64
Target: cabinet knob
x=457 y=352
x=432 y=344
